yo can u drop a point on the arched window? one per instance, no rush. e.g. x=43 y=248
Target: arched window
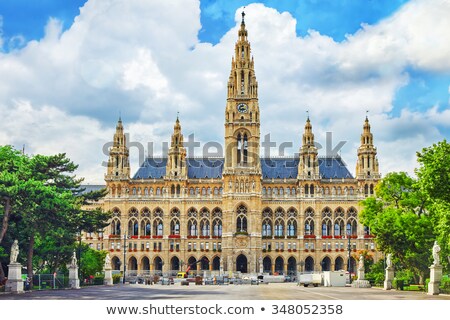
x=326 y=227
x=133 y=227
x=217 y=227
x=339 y=229
x=192 y=227
x=311 y=189
x=115 y=227
x=204 y=226
x=366 y=189
x=291 y=228
x=279 y=228
x=145 y=227
x=241 y=219
x=158 y=227
x=309 y=222
x=267 y=228
x=175 y=227
x=306 y=189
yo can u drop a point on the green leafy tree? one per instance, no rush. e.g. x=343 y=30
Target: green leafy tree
x=41 y=201
x=401 y=223
x=434 y=182
x=91 y=261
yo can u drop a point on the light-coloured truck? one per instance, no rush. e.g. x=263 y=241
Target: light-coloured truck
x=306 y=279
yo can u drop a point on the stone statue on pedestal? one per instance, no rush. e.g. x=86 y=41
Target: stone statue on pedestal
x=107 y=262
x=361 y=262
x=436 y=250
x=74 y=261
x=14 y=252
x=389 y=260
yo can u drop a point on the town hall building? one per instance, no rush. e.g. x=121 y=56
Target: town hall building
x=242 y=212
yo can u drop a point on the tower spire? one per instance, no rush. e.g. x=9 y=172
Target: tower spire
x=118 y=163
x=309 y=164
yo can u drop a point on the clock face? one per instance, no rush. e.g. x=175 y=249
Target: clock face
x=242 y=108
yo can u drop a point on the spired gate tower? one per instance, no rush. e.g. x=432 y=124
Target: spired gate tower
x=240 y=213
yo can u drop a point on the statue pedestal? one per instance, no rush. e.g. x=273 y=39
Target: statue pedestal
x=108 y=277
x=15 y=282
x=388 y=278
x=435 y=279
x=74 y=282
x=361 y=274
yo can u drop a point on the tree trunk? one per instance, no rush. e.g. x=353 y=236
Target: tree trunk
x=5 y=218
x=30 y=260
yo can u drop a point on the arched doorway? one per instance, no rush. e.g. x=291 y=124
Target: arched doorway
x=309 y=264
x=158 y=264
x=174 y=264
x=216 y=263
x=339 y=264
x=192 y=266
x=326 y=264
x=115 y=262
x=241 y=263
x=292 y=266
x=267 y=265
x=204 y=264
x=279 y=265
x=132 y=264
x=145 y=264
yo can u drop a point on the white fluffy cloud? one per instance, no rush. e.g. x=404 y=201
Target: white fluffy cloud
x=64 y=92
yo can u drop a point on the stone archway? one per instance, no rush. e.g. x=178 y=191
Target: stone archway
x=145 y=264
x=204 y=264
x=326 y=264
x=175 y=264
x=115 y=263
x=132 y=264
x=339 y=264
x=279 y=265
x=158 y=264
x=216 y=264
x=241 y=263
x=267 y=265
x=309 y=264
x=292 y=266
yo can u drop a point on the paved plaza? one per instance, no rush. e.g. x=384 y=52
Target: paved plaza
x=273 y=291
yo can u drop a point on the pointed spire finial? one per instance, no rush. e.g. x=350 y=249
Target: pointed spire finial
x=243 y=15
x=120 y=116
x=367 y=115
x=178 y=114
x=307 y=115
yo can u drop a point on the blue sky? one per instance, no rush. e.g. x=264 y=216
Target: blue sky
x=333 y=18
x=149 y=59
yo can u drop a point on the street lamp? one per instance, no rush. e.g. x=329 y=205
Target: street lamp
x=349 y=248
x=124 y=257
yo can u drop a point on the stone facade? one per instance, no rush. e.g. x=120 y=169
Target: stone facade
x=241 y=212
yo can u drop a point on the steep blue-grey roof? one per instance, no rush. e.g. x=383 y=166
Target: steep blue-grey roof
x=280 y=168
x=91 y=187
x=152 y=168
x=204 y=168
x=198 y=168
x=272 y=168
x=287 y=168
x=333 y=168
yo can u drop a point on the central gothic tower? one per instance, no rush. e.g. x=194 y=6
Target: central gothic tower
x=242 y=167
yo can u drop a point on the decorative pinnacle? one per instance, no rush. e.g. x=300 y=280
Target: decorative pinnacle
x=243 y=15
x=178 y=113
x=367 y=113
x=307 y=115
